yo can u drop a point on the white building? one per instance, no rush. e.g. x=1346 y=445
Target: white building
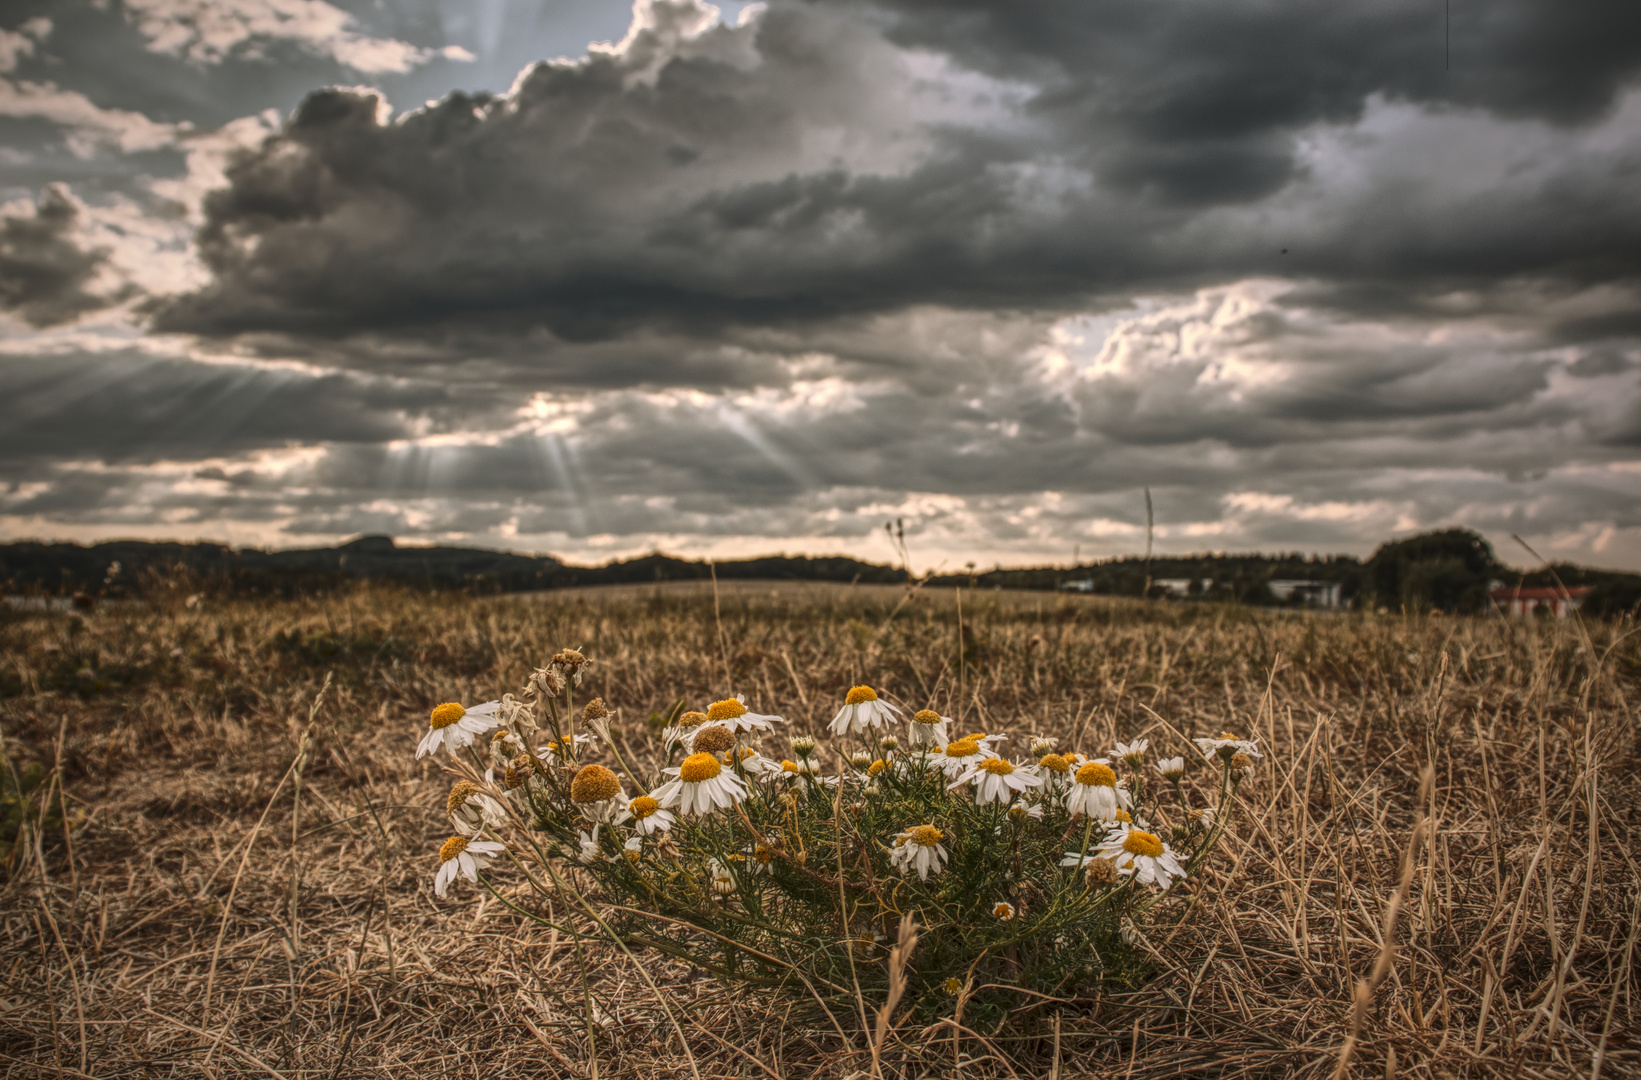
x=1319 y=594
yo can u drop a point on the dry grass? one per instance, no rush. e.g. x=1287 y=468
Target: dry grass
x=196 y=925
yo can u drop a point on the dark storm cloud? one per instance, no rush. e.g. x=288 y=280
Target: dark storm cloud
x=1204 y=71
x=45 y=275
x=1106 y=148
x=125 y=406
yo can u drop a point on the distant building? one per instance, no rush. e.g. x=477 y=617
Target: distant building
x=1317 y=594
x=1181 y=586
x=1520 y=600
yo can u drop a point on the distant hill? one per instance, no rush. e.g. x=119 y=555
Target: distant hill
x=73 y=568
x=1451 y=570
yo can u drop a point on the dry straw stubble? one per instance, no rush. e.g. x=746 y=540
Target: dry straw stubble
x=1513 y=940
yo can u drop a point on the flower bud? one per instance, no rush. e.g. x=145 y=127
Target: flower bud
x=888 y=744
x=860 y=759
x=803 y=746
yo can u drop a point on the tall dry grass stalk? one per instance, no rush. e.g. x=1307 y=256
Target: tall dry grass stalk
x=1492 y=916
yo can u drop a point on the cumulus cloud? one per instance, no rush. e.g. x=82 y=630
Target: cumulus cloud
x=210 y=31
x=46 y=275
x=15 y=45
x=804 y=165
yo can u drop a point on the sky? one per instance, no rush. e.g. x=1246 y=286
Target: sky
x=590 y=279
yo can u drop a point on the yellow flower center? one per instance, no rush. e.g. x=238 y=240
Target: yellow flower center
x=1054 y=763
x=446 y=714
x=876 y=767
x=459 y=794
x=643 y=806
x=1124 y=815
x=926 y=835
x=728 y=709
x=860 y=694
x=699 y=767
x=1096 y=775
x=594 y=783
x=952 y=985
x=926 y=716
x=452 y=847
x=1142 y=843
x=1004 y=911
x=692 y=719
x=790 y=766
x=1228 y=736
x=997 y=766
x=962 y=748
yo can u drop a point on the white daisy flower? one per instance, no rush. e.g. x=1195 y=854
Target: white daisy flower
x=1125 y=818
x=463 y=856
x=702 y=785
x=551 y=751
x=1133 y=753
x=957 y=756
x=1003 y=911
x=732 y=714
x=505 y=745
x=803 y=767
x=1076 y=859
x=453 y=726
x=676 y=734
x=596 y=792
x=722 y=877
x=1172 y=769
x=1096 y=791
x=996 y=779
x=919 y=848
x=1228 y=746
x=755 y=764
x=632 y=850
x=929 y=728
x=1055 y=771
x=1020 y=810
x=1143 y=855
x=648 y=815
x=708 y=739
x=1042 y=744
x=472 y=809
x=589 y=852
x=757 y=858
x=862 y=711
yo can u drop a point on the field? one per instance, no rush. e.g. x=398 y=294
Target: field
x=1431 y=874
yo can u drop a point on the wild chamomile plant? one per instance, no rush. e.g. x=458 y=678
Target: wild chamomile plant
x=1038 y=871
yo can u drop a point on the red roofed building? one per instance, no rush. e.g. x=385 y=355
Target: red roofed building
x=1528 y=600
